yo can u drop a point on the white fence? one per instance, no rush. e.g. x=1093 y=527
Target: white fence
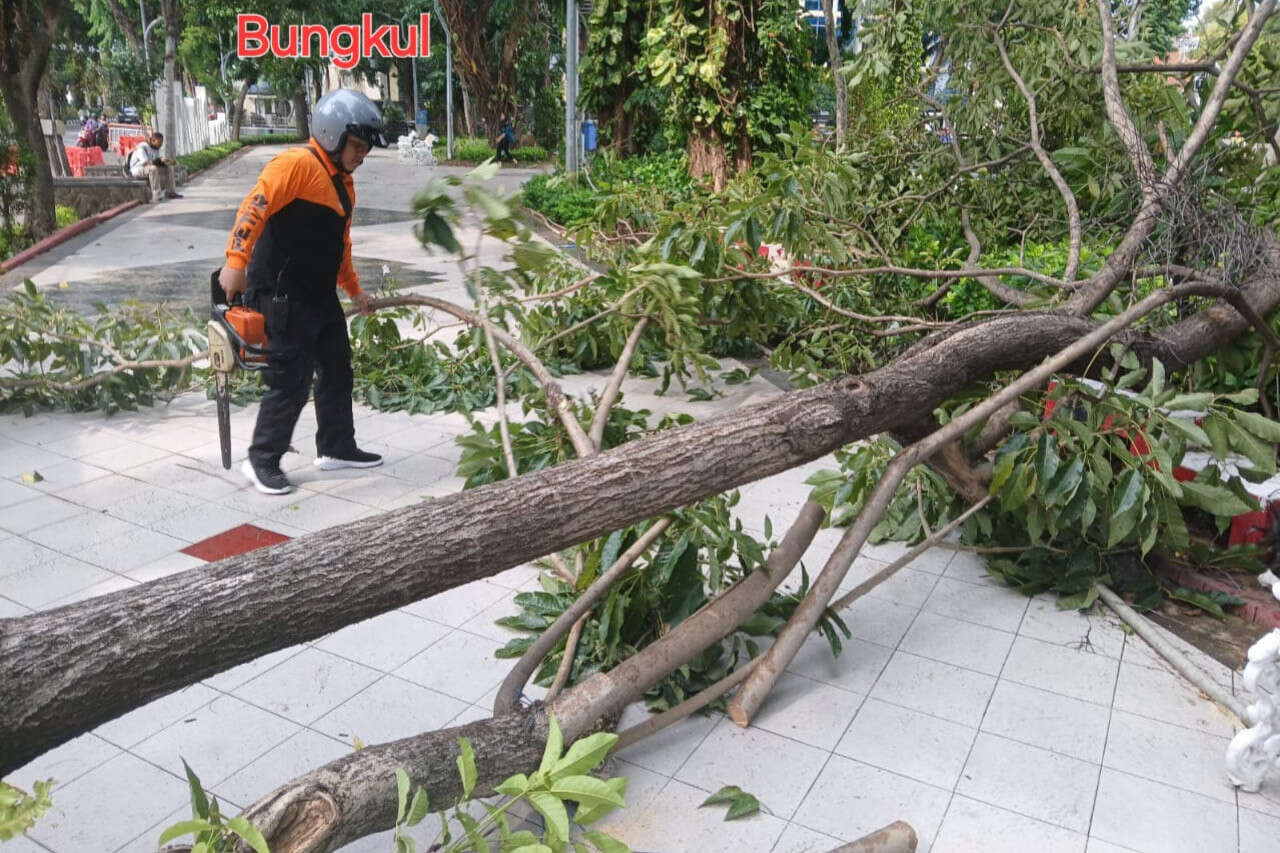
x=194 y=129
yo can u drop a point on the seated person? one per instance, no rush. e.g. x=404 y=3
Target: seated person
x=145 y=162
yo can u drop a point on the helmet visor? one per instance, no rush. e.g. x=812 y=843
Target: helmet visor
x=370 y=135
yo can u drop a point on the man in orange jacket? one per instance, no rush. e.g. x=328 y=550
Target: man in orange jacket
x=289 y=249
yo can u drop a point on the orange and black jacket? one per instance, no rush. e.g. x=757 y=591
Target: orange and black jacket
x=293 y=233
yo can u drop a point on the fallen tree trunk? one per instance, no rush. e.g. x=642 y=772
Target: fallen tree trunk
x=68 y=670
x=355 y=796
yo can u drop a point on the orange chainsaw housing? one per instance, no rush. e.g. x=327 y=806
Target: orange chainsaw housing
x=251 y=326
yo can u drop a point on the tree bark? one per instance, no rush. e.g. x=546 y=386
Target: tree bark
x=837 y=77
x=26 y=36
x=172 y=28
x=71 y=669
x=125 y=23
x=707 y=158
x=299 y=100
x=238 y=119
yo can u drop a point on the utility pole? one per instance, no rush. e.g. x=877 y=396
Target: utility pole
x=571 y=86
x=142 y=13
x=448 y=84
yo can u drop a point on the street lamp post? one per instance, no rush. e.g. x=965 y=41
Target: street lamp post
x=571 y=87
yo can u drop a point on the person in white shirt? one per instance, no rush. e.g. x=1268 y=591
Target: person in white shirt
x=145 y=162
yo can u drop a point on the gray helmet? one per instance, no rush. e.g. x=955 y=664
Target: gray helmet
x=344 y=112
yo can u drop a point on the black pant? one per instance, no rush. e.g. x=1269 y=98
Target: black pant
x=303 y=339
x=504 y=148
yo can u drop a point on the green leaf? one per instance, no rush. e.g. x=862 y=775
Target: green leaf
x=586 y=790
x=1215 y=426
x=742 y=807
x=1082 y=600
x=1195 y=402
x=553 y=812
x=1214 y=499
x=590 y=814
x=466 y=767
x=249 y=833
x=555 y=745
x=1247 y=397
x=1156 y=386
x=1261 y=454
x=418 y=808
x=199 y=802
x=1264 y=428
x=1066 y=483
x=584 y=755
x=402 y=793
x=537 y=847
x=605 y=843
x=1189 y=430
x=514 y=786
x=1047 y=461
x=1125 y=507
x=185 y=827
x=727 y=794
x=1199 y=599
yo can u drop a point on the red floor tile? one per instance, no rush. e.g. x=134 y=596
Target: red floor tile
x=237 y=540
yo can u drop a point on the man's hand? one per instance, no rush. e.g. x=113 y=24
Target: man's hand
x=232 y=281
x=361 y=300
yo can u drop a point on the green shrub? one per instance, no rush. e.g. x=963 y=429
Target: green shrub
x=559 y=199
x=65 y=215
x=548 y=118
x=473 y=149
x=532 y=153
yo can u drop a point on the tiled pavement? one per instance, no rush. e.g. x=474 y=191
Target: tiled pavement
x=989 y=721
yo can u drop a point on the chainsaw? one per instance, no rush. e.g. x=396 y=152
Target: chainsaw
x=237 y=339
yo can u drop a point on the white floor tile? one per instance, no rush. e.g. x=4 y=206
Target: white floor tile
x=107 y=492
x=1059 y=723
x=389 y=709
x=1167 y=697
x=878 y=621
x=1061 y=669
x=851 y=799
x=122 y=458
x=103 y=810
x=141 y=723
x=230 y=679
x=21 y=458
x=163 y=567
x=971 y=826
x=37 y=512
x=675 y=824
x=993 y=606
x=79 y=532
x=307 y=685
x=64 y=764
x=12 y=609
x=1265 y=800
x=153 y=504
x=304 y=751
x=808 y=711
x=1094 y=631
x=905 y=586
x=1170 y=754
x=180 y=474
x=856 y=669
x=316 y=512
x=1030 y=781
x=940 y=689
x=908 y=743
x=455 y=606
x=216 y=740
x=1097 y=845
x=665 y=751
x=1148 y=817
x=948 y=640
x=798 y=839
x=64 y=475
x=383 y=642
x=422 y=469
x=1259 y=833
x=41 y=585
x=777 y=770
x=970 y=567
x=13 y=493
x=132 y=550
x=461 y=665
x=1136 y=651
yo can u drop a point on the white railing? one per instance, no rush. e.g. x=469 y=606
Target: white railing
x=194 y=129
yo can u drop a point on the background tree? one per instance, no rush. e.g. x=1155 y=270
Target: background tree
x=27 y=28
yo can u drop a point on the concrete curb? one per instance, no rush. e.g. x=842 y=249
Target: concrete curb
x=64 y=234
